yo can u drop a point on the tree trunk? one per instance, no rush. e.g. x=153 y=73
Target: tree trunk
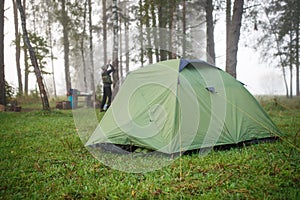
x=154 y=30
x=141 y=33
x=172 y=33
x=82 y=48
x=65 y=24
x=121 y=51
x=126 y=21
x=2 y=74
x=233 y=37
x=162 y=22
x=37 y=70
x=115 y=61
x=297 y=49
x=210 y=44
x=18 y=48
x=291 y=63
x=104 y=27
x=51 y=48
x=228 y=21
x=26 y=64
x=184 y=28
x=147 y=21
x=92 y=53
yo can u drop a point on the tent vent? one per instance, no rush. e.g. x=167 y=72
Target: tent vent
x=211 y=89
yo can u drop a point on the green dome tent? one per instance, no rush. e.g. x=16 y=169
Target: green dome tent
x=180 y=105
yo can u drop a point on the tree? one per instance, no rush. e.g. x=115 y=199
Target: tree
x=50 y=37
x=115 y=55
x=43 y=94
x=282 y=28
x=83 y=34
x=184 y=28
x=104 y=28
x=2 y=76
x=210 y=44
x=233 y=26
x=18 y=47
x=65 y=24
x=141 y=35
x=126 y=24
x=26 y=64
x=288 y=35
x=147 y=23
x=91 y=52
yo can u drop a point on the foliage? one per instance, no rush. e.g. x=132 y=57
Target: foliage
x=9 y=90
x=277 y=35
x=42 y=157
x=41 y=49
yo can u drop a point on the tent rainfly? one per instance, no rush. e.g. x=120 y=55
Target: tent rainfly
x=179 y=105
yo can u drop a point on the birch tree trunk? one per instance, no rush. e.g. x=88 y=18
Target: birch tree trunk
x=37 y=70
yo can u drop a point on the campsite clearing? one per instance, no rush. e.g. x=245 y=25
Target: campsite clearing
x=42 y=157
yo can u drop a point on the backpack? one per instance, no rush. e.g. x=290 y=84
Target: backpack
x=106 y=78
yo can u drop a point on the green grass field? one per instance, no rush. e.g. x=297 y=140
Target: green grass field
x=42 y=157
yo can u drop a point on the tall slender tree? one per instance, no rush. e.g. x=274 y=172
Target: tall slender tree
x=26 y=64
x=65 y=24
x=38 y=74
x=2 y=74
x=210 y=44
x=115 y=55
x=18 y=47
x=91 y=52
x=162 y=24
x=184 y=28
x=141 y=31
x=50 y=37
x=148 y=33
x=233 y=25
x=104 y=28
x=82 y=47
x=126 y=24
x=154 y=30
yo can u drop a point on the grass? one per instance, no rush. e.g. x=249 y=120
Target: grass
x=42 y=157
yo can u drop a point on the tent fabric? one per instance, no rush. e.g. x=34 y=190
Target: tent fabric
x=179 y=105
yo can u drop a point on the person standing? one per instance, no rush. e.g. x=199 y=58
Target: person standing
x=106 y=79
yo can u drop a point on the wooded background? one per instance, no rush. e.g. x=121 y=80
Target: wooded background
x=140 y=32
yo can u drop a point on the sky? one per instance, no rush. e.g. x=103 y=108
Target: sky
x=259 y=78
